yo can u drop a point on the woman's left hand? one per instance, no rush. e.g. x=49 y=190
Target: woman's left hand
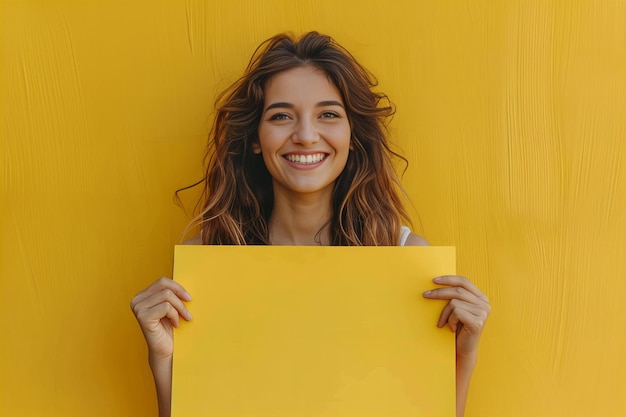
x=465 y=313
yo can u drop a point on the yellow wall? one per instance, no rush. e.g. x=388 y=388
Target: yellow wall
x=513 y=116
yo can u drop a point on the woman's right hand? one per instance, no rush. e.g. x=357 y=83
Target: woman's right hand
x=158 y=310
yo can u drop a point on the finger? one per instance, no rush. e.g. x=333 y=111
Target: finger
x=450 y=293
x=467 y=321
x=459 y=281
x=165 y=295
x=158 y=312
x=455 y=321
x=159 y=285
x=168 y=283
x=457 y=306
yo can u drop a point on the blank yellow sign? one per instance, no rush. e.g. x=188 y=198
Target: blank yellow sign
x=312 y=331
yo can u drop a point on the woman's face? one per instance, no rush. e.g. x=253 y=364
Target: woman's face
x=304 y=134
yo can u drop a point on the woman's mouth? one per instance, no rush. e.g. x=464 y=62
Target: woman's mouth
x=307 y=159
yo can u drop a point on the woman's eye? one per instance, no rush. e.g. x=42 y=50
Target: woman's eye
x=279 y=116
x=329 y=115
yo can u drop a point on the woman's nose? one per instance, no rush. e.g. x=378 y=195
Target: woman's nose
x=305 y=133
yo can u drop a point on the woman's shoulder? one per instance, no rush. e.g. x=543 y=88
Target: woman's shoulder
x=408 y=238
x=193 y=241
x=415 y=240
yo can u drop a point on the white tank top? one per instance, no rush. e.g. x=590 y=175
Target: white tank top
x=404 y=234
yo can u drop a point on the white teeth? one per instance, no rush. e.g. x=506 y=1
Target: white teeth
x=305 y=159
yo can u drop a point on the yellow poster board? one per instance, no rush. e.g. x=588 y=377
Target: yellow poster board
x=312 y=331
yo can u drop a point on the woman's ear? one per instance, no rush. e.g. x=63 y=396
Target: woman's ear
x=256 y=148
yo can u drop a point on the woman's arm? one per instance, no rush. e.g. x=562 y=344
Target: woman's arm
x=465 y=313
x=158 y=310
x=162 y=373
x=464 y=370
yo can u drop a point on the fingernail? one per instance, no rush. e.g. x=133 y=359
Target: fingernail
x=187 y=296
x=437 y=279
x=428 y=293
x=189 y=316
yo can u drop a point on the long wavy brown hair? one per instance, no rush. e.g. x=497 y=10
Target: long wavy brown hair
x=237 y=198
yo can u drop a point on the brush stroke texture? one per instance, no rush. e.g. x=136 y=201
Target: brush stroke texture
x=512 y=115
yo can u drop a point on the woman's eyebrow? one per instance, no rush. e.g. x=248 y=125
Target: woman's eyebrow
x=281 y=105
x=285 y=105
x=329 y=103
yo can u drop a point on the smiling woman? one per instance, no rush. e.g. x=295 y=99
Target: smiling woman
x=310 y=89
x=298 y=156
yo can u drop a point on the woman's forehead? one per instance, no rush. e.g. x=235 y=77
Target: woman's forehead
x=301 y=84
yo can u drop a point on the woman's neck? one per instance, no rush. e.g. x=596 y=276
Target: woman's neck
x=301 y=220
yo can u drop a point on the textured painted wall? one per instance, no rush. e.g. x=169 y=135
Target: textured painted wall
x=512 y=114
